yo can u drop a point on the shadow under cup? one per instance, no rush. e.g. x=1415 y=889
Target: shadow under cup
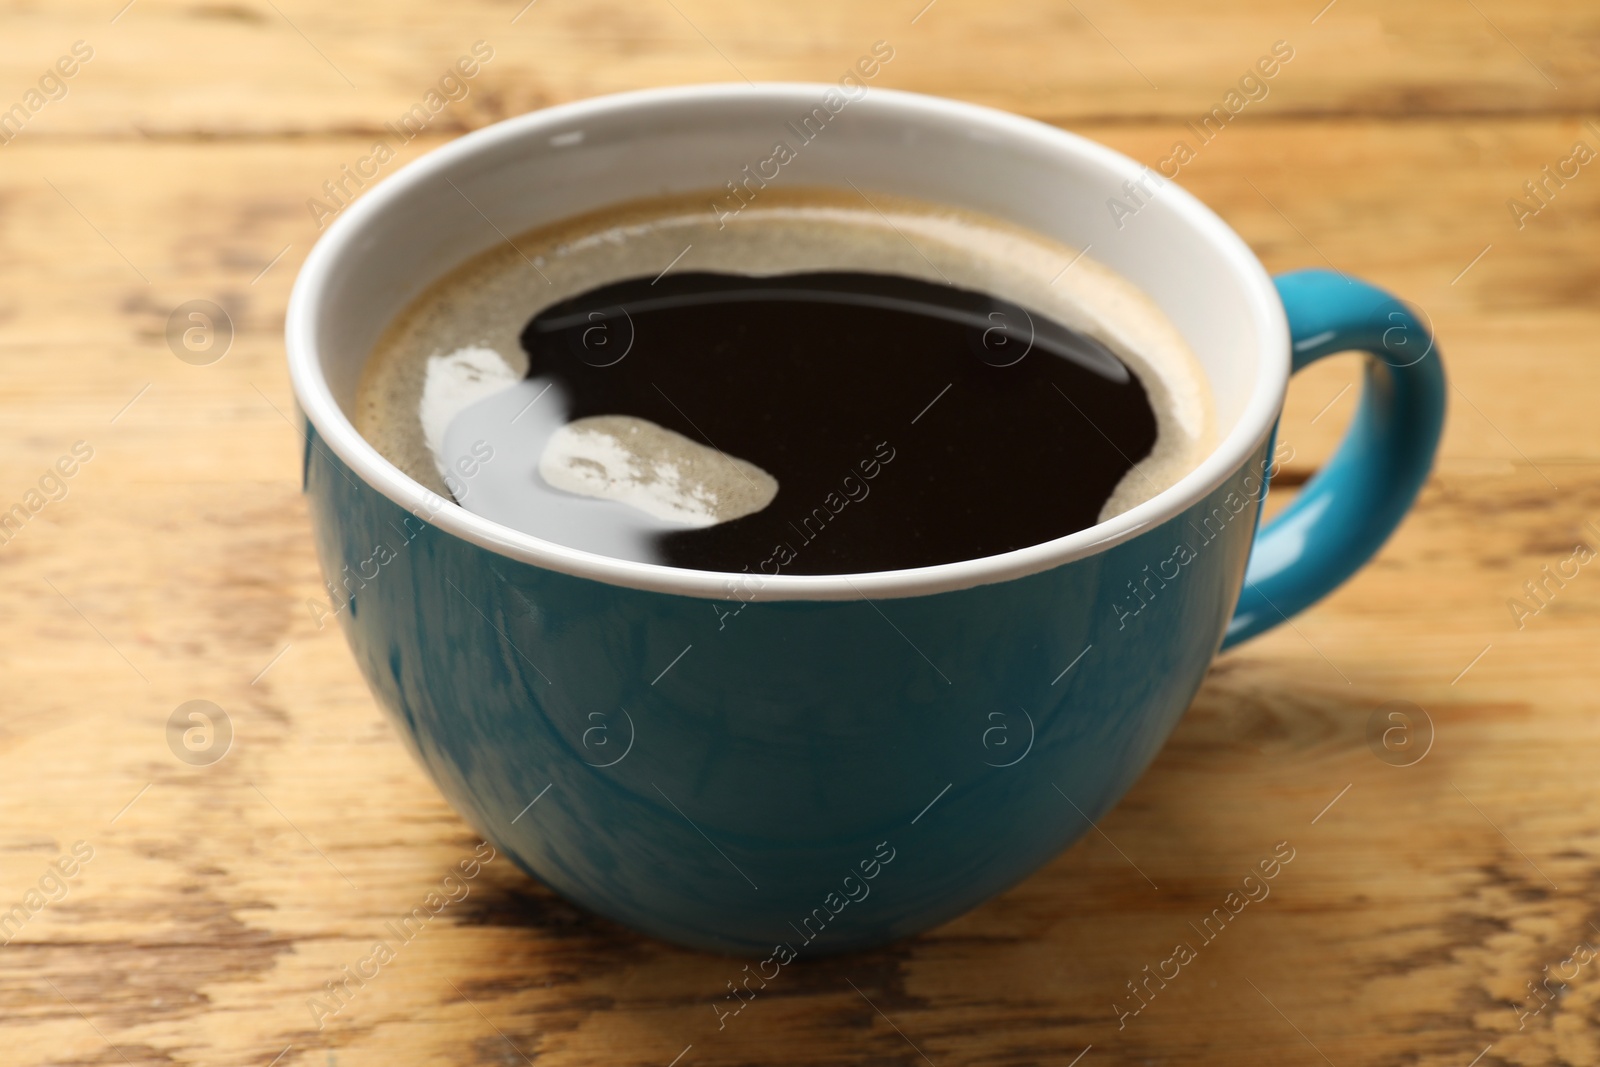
x=799 y=765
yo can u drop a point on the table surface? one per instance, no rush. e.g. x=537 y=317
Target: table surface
x=175 y=164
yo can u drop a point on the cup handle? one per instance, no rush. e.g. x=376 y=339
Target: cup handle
x=1351 y=506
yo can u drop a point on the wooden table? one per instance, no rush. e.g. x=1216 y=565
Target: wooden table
x=219 y=899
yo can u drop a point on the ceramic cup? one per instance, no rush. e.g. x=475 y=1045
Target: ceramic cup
x=794 y=765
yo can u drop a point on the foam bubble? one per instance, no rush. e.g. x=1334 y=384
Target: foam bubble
x=659 y=471
x=452 y=384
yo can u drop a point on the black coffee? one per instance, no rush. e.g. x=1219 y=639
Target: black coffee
x=907 y=423
x=791 y=392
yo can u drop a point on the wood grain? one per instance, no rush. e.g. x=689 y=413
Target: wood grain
x=249 y=67
x=220 y=899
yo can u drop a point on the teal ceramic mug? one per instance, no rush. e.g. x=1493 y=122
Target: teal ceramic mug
x=804 y=764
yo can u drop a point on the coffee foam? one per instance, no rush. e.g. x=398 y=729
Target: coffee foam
x=452 y=383
x=657 y=470
x=450 y=334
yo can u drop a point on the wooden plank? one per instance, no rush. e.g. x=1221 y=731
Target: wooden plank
x=220 y=899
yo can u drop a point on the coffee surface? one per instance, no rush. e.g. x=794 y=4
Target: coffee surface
x=826 y=388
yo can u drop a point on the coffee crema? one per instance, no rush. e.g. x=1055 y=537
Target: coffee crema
x=828 y=385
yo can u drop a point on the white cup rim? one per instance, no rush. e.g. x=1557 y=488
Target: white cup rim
x=317 y=401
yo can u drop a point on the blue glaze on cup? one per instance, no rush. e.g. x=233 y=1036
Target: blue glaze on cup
x=1345 y=513
x=726 y=777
